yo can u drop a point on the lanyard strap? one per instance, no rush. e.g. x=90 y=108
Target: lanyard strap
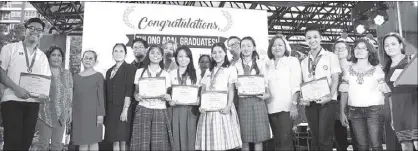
x=29 y=66
x=182 y=81
x=158 y=74
x=312 y=63
x=213 y=78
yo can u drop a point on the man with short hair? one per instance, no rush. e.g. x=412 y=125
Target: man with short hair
x=320 y=113
x=233 y=44
x=139 y=47
x=20 y=115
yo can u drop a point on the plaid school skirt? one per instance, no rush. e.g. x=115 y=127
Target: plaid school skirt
x=151 y=130
x=254 y=120
x=217 y=131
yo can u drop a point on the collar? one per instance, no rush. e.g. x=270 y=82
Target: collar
x=249 y=63
x=35 y=49
x=321 y=52
x=152 y=71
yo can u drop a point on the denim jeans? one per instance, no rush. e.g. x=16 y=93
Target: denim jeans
x=47 y=133
x=367 y=125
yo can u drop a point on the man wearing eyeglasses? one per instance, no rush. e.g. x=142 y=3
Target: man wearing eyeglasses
x=20 y=114
x=233 y=44
x=139 y=47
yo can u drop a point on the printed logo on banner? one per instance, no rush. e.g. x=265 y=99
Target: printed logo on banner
x=190 y=23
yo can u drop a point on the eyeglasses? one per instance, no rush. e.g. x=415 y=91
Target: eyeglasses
x=341 y=49
x=234 y=45
x=364 y=48
x=88 y=59
x=32 y=29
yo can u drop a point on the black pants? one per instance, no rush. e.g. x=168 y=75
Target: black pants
x=341 y=136
x=281 y=125
x=321 y=119
x=19 y=121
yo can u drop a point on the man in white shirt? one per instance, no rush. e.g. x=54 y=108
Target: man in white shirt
x=20 y=115
x=234 y=44
x=321 y=113
x=4 y=79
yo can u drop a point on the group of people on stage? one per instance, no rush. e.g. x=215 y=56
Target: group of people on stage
x=361 y=94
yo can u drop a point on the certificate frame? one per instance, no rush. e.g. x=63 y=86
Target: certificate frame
x=158 y=92
x=35 y=84
x=177 y=96
x=312 y=85
x=208 y=105
x=244 y=92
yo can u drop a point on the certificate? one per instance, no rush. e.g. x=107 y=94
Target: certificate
x=214 y=100
x=35 y=84
x=185 y=94
x=315 y=89
x=251 y=85
x=152 y=87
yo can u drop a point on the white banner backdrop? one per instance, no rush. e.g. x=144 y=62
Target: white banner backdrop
x=108 y=23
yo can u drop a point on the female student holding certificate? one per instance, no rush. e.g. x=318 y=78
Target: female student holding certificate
x=151 y=129
x=252 y=109
x=184 y=112
x=219 y=130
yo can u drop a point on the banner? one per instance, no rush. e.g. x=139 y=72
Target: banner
x=108 y=23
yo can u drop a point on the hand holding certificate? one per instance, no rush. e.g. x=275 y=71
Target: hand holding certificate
x=185 y=94
x=36 y=85
x=214 y=100
x=316 y=89
x=251 y=85
x=155 y=87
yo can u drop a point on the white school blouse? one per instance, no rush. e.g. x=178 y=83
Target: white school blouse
x=261 y=65
x=226 y=76
x=284 y=80
x=327 y=65
x=174 y=78
x=152 y=103
x=370 y=92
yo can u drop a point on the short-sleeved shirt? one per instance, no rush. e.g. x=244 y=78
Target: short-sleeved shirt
x=175 y=79
x=260 y=65
x=13 y=60
x=327 y=65
x=225 y=77
x=365 y=91
x=152 y=103
x=284 y=80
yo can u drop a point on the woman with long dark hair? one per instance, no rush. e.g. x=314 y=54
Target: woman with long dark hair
x=219 y=130
x=184 y=117
x=252 y=110
x=118 y=84
x=151 y=129
x=403 y=100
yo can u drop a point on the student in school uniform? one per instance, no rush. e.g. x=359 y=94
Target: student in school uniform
x=184 y=117
x=151 y=129
x=320 y=113
x=252 y=110
x=284 y=78
x=219 y=130
x=204 y=64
